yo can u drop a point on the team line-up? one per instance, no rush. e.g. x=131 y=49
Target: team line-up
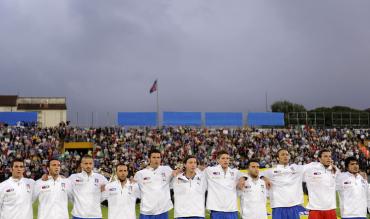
x=190 y=183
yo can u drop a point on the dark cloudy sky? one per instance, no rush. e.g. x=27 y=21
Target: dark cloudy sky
x=209 y=55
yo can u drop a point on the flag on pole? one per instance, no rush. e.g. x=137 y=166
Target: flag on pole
x=154 y=87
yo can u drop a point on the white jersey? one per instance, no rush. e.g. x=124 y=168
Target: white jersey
x=352 y=195
x=368 y=198
x=154 y=187
x=121 y=200
x=286 y=189
x=87 y=195
x=321 y=187
x=16 y=198
x=253 y=199
x=53 y=198
x=222 y=194
x=189 y=195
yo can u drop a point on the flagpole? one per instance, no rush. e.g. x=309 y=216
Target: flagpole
x=157 y=102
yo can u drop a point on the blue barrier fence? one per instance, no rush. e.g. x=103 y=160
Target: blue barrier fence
x=12 y=118
x=224 y=119
x=182 y=118
x=265 y=119
x=195 y=119
x=137 y=118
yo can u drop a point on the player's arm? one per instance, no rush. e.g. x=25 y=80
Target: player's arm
x=103 y=184
x=267 y=176
x=71 y=180
x=368 y=198
x=137 y=178
x=2 y=195
x=137 y=192
x=105 y=193
x=338 y=182
x=240 y=180
x=36 y=191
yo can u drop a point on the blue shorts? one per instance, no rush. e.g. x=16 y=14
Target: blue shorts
x=73 y=217
x=287 y=213
x=353 y=217
x=224 y=215
x=190 y=218
x=158 y=216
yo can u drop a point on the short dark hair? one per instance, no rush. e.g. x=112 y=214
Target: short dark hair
x=222 y=152
x=323 y=151
x=348 y=160
x=121 y=164
x=253 y=160
x=52 y=159
x=281 y=149
x=154 y=151
x=86 y=156
x=189 y=157
x=17 y=160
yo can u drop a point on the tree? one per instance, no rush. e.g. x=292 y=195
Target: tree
x=287 y=107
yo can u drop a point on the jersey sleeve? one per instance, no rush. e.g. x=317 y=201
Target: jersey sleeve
x=338 y=182
x=306 y=170
x=104 y=180
x=169 y=172
x=239 y=174
x=267 y=174
x=36 y=190
x=137 y=177
x=368 y=197
x=2 y=195
x=137 y=191
x=105 y=194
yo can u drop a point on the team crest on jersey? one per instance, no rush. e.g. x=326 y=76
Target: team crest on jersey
x=45 y=187
x=146 y=178
x=216 y=173
x=9 y=190
x=347 y=183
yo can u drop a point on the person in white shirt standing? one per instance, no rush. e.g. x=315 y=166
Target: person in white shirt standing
x=352 y=188
x=253 y=195
x=320 y=178
x=286 y=193
x=87 y=188
x=222 y=182
x=189 y=191
x=154 y=183
x=16 y=194
x=52 y=194
x=121 y=195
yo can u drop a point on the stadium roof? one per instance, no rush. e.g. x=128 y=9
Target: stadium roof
x=42 y=107
x=8 y=100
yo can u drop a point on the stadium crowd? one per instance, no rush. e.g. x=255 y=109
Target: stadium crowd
x=131 y=145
